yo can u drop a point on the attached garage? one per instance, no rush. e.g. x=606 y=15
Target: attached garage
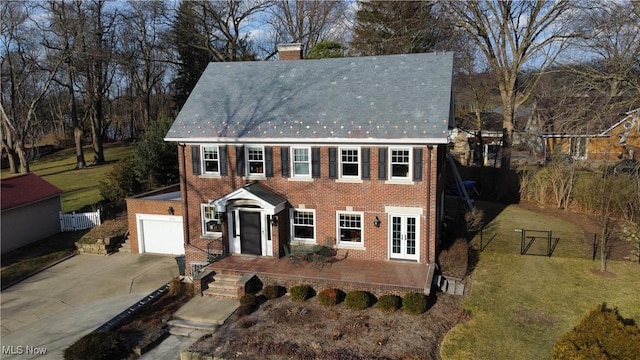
x=160 y=234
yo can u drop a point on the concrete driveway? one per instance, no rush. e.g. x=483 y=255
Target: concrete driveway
x=51 y=310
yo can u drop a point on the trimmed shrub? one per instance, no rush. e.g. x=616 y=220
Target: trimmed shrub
x=389 y=303
x=358 y=300
x=301 y=292
x=97 y=346
x=454 y=261
x=272 y=291
x=328 y=297
x=414 y=303
x=248 y=300
x=244 y=310
x=601 y=334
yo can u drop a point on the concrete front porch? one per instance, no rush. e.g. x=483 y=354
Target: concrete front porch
x=377 y=277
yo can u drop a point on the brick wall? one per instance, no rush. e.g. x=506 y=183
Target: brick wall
x=140 y=204
x=326 y=196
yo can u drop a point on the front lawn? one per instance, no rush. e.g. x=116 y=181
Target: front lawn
x=521 y=304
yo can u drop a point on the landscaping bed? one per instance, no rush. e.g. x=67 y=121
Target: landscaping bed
x=285 y=329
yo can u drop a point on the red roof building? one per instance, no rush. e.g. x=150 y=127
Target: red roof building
x=26 y=201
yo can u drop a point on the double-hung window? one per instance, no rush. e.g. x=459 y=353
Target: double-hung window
x=350 y=228
x=400 y=164
x=301 y=159
x=350 y=163
x=211 y=220
x=211 y=159
x=303 y=225
x=255 y=160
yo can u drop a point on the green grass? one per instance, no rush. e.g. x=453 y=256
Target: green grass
x=520 y=305
x=80 y=186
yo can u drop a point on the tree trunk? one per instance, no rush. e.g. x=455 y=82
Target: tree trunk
x=77 y=132
x=97 y=132
x=22 y=155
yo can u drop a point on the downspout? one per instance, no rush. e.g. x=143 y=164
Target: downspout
x=428 y=218
x=183 y=195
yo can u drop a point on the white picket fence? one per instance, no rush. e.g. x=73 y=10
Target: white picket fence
x=79 y=221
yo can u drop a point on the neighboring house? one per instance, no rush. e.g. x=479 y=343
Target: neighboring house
x=343 y=152
x=586 y=129
x=30 y=210
x=464 y=144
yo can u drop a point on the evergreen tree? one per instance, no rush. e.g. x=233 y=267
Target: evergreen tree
x=192 y=53
x=326 y=49
x=156 y=160
x=399 y=27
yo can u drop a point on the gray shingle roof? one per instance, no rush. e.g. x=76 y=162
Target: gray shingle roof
x=395 y=98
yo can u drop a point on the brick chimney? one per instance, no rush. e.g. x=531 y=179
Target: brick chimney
x=290 y=51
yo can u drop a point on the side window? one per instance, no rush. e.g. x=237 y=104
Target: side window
x=211 y=220
x=349 y=163
x=211 y=160
x=255 y=160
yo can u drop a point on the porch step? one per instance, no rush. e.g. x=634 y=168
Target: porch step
x=225 y=286
x=190 y=329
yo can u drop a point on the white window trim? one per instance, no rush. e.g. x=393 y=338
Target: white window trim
x=409 y=176
x=586 y=148
x=293 y=163
x=349 y=177
x=315 y=222
x=203 y=160
x=247 y=160
x=350 y=244
x=202 y=221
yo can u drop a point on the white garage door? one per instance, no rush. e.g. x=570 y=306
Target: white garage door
x=160 y=234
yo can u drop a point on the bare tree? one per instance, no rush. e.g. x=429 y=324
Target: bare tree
x=609 y=61
x=25 y=78
x=305 y=22
x=514 y=36
x=144 y=60
x=62 y=37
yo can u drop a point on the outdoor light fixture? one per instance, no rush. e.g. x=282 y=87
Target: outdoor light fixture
x=376 y=222
x=170 y=210
x=274 y=220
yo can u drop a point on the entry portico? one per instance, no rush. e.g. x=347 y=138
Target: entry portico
x=250 y=213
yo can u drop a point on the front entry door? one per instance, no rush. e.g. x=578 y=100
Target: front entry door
x=404 y=237
x=251 y=233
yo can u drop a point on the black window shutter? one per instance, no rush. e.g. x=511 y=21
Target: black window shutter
x=332 y=163
x=195 y=159
x=223 y=160
x=240 y=160
x=417 y=164
x=382 y=163
x=315 y=162
x=366 y=163
x=268 y=161
x=284 y=159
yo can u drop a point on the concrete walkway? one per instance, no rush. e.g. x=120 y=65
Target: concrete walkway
x=201 y=310
x=54 y=308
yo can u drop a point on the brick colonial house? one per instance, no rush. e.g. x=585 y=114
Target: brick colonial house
x=345 y=153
